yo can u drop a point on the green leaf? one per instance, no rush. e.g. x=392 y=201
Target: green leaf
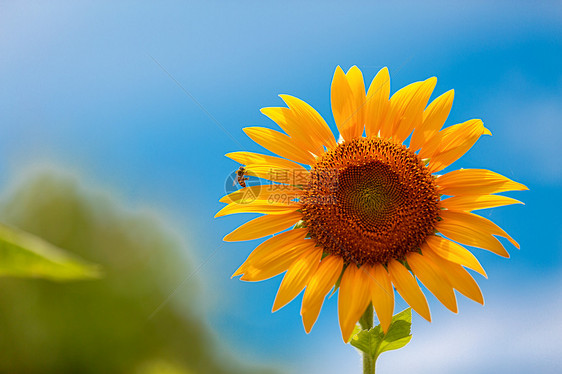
x=368 y=340
x=356 y=330
x=300 y=224
x=399 y=332
x=374 y=341
x=26 y=255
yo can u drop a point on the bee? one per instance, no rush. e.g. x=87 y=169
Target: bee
x=241 y=176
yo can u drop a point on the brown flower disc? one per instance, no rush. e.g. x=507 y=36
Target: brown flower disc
x=370 y=200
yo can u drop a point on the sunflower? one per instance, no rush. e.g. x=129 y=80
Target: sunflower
x=368 y=214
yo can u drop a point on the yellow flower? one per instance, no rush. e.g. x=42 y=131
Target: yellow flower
x=369 y=211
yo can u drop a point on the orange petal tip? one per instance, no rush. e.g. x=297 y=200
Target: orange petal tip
x=433 y=80
x=237 y=273
x=227 y=238
x=220 y=213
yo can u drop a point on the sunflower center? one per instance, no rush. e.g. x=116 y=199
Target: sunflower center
x=369 y=192
x=370 y=200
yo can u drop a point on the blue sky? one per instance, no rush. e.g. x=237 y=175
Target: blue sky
x=84 y=87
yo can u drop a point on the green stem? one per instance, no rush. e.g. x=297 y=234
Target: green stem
x=366 y=322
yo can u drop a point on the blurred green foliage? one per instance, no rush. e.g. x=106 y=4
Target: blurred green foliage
x=25 y=255
x=103 y=325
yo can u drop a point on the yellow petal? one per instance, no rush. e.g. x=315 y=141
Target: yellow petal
x=280 y=144
x=343 y=104
x=262 y=270
x=278 y=193
x=280 y=175
x=311 y=120
x=357 y=85
x=408 y=288
x=259 y=206
x=295 y=127
x=458 y=277
x=454 y=142
x=468 y=235
x=263 y=226
x=475 y=182
x=266 y=193
x=319 y=285
x=377 y=102
x=433 y=119
x=476 y=223
x=456 y=135
x=243 y=195
x=297 y=276
x=382 y=295
x=412 y=113
x=286 y=246
x=450 y=137
x=433 y=279
x=453 y=252
x=354 y=297
x=278 y=243
x=397 y=105
x=469 y=203
x=247 y=158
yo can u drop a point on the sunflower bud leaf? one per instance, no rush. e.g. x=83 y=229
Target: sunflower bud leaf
x=374 y=341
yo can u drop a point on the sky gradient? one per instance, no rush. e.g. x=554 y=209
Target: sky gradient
x=144 y=100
